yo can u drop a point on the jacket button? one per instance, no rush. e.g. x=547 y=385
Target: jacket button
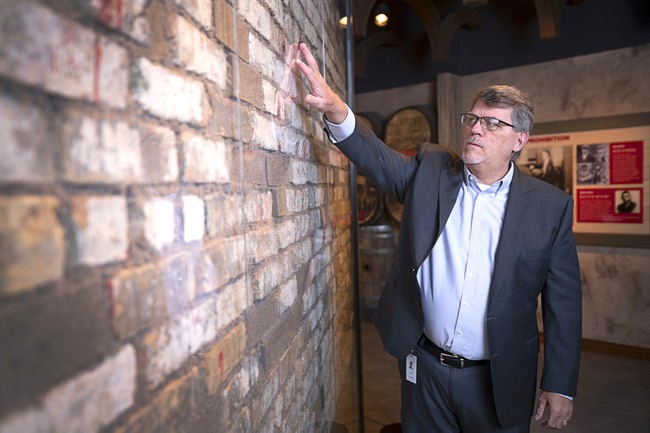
x=413 y=270
x=419 y=303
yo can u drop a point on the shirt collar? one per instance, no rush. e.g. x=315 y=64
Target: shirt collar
x=499 y=187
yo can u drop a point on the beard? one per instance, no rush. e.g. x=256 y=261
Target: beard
x=471 y=154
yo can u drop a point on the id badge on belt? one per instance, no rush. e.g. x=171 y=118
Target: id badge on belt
x=412 y=368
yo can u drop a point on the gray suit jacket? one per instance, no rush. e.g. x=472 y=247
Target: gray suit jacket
x=536 y=254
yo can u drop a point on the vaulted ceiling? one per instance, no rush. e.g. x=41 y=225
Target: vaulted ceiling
x=427 y=37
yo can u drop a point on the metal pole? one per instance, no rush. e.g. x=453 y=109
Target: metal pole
x=349 y=69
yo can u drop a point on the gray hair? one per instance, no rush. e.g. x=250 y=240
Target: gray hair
x=523 y=113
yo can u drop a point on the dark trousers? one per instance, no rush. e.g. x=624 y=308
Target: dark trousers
x=449 y=400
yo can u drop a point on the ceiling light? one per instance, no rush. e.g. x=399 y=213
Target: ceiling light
x=381 y=15
x=343 y=22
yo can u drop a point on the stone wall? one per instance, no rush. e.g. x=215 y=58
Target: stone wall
x=174 y=227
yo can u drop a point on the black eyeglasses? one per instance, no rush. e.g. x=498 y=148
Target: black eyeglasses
x=489 y=123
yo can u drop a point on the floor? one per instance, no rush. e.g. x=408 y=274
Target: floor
x=614 y=392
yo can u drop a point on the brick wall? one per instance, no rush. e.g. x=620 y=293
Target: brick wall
x=174 y=228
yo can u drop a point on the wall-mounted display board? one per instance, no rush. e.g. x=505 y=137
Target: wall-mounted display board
x=606 y=171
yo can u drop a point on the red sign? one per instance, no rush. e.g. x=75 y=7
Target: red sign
x=626 y=162
x=600 y=205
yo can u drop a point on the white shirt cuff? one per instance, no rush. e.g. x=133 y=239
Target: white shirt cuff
x=342 y=130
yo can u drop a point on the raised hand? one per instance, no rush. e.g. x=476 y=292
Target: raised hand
x=322 y=97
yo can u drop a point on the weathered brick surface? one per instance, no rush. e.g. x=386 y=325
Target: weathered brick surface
x=193 y=218
x=223 y=356
x=225 y=216
x=25 y=136
x=160 y=161
x=168 y=411
x=164 y=93
x=33 y=249
x=138 y=300
x=168 y=347
x=85 y=403
x=128 y=16
x=205 y=160
x=197 y=53
x=158 y=225
x=201 y=11
x=100 y=151
x=99 y=229
x=175 y=228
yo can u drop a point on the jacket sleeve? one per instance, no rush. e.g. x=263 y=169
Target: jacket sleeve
x=390 y=170
x=562 y=312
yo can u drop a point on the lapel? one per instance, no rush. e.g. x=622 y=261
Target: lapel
x=513 y=222
x=428 y=220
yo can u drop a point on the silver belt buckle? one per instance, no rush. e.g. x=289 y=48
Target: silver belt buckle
x=445 y=356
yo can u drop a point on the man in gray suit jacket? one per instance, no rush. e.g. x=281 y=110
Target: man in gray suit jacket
x=479 y=242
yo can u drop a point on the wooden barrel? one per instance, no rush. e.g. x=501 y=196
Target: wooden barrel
x=393 y=208
x=374 y=121
x=376 y=249
x=410 y=127
x=370 y=199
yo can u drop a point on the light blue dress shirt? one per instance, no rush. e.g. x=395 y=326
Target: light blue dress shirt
x=455 y=278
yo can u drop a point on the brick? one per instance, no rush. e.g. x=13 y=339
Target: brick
x=286 y=233
x=261 y=244
x=45 y=50
x=193 y=218
x=163 y=93
x=220 y=360
x=159 y=222
x=263 y=132
x=196 y=53
x=100 y=229
x=290 y=201
x=205 y=160
x=287 y=295
x=223 y=261
x=168 y=411
x=232 y=301
x=84 y=403
x=26 y=141
x=255 y=168
x=303 y=172
x=226 y=31
x=100 y=151
x=225 y=216
x=279 y=170
x=265 y=278
x=138 y=300
x=315 y=315
x=33 y=246
x=258 y=17
x=111 y=64
x=264 y=60
x=199 y=10
x=259 y=206
x=238 y=388
x=127 y=16
x=160 y=161
x=168 y=347
x=251 y=85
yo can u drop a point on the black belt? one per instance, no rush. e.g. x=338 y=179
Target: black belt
x=446 y=358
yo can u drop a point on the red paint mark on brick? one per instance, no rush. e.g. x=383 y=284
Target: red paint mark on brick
x=98 y=64
x=110 y=13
